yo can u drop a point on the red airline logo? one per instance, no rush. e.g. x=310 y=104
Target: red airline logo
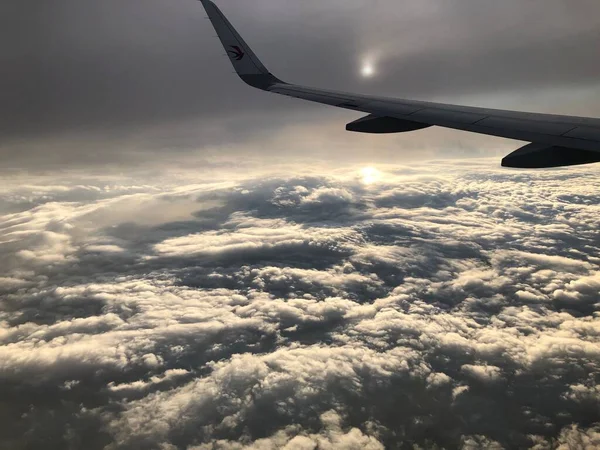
x=236 y=53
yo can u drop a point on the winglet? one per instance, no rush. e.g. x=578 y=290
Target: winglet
x=246 y=64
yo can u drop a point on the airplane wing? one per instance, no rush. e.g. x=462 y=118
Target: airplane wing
x=554 y=140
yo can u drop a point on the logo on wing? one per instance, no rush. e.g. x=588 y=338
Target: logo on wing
x=236 y=52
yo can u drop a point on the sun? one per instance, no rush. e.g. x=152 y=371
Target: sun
x=370 y=175
x=367 y=70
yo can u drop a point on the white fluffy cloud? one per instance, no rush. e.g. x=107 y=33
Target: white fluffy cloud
x=453 y=307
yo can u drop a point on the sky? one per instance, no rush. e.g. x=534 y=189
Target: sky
x=117 y=81
x=189 y=263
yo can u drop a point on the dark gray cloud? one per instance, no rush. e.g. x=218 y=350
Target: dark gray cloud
x=88 y=81
x=397 y=307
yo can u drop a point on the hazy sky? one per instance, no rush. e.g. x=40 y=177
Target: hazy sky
x=118 y=80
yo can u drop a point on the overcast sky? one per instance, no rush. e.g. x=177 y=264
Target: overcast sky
x=87 y=81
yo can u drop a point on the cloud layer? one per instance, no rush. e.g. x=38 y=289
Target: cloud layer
x=447 y=304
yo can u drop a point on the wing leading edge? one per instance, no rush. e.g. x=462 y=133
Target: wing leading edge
x=555 y=140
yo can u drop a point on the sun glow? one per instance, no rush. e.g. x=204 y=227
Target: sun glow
x=370 y=175
x=367 y=70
